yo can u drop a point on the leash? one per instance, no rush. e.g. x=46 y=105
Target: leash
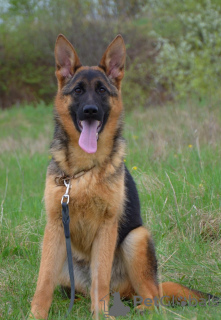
x=66 y=222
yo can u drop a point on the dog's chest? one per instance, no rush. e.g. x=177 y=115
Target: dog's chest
x=94 y=200
x=87 y=195
x=88 y=209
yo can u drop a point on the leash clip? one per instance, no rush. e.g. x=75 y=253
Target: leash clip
x=66 y=195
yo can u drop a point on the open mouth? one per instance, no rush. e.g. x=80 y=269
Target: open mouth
x=90 y=129
x=98 y=127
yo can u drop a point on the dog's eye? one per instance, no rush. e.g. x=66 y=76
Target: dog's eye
x=78 y=90
x=101 y=90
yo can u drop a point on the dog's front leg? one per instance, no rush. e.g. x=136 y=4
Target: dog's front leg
x=101 y=265
x=52 y=260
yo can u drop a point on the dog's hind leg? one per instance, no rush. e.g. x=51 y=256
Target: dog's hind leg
x=141 y=264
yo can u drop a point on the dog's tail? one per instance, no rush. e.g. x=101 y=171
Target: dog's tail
x=181 y=295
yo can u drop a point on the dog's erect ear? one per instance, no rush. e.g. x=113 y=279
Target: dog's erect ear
x=113 y=59
x=66 y=58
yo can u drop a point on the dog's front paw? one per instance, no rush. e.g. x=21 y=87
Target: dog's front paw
x=30 y=317
x=101 y=317
x=141 y=309
x=36 y=316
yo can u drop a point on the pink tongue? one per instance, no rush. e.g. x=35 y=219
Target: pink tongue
x=88 y=137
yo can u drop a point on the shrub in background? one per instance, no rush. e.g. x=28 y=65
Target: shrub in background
x=191 y=64
x=173 y=47
x=28 y=30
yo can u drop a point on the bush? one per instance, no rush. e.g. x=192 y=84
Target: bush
x=28 y=35
x=191 y=64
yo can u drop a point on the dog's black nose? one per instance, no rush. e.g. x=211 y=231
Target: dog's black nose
x=90 y=110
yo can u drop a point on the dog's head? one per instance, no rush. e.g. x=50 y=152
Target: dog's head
x=89 y=98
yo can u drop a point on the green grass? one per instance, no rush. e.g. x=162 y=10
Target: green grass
x=174 y=155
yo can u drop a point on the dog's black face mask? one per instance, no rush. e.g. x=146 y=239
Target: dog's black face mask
x=90 y=90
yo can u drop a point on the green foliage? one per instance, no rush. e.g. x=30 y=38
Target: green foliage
x=173 y=47
x=191 y=63
x=28 y=34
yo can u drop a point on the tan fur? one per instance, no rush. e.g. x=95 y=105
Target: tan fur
x=139 y=268
x=96 y=206
x=87 y=216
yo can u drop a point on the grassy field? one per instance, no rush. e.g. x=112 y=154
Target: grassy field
x=174 y=155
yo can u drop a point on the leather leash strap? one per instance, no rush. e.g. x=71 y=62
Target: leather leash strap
x=66 y=222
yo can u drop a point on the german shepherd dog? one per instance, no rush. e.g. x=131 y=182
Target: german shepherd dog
x=112 y=250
